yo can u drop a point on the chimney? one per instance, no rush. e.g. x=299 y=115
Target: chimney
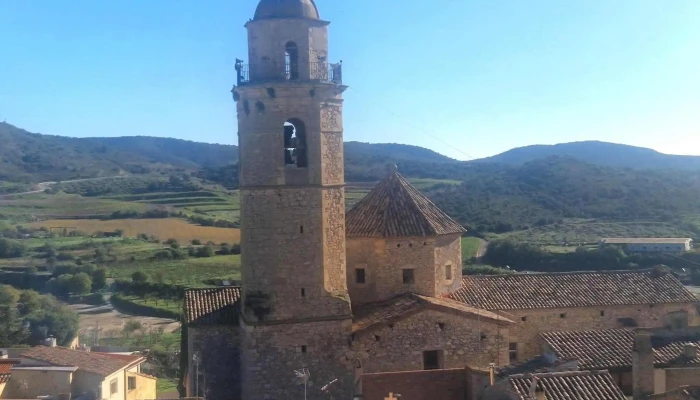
x=690 y=351
x=50 y=342
x=536 y=392
x=492 y=373
x=642 y=366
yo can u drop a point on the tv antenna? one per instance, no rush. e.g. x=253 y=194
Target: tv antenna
x=303 y=376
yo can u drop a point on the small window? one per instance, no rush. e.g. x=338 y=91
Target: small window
x=360 y=275
x=132 y=382
x=113 y=387
x=602 y=313
x=431 y=359
x=448 y=272
x=562 y=315
x=303 y=292
x=513 y=352
x=408 y=277
x=303 y=348
x=301 y=228
x=523 y=319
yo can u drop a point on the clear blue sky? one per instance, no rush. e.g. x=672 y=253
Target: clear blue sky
x=467 y=78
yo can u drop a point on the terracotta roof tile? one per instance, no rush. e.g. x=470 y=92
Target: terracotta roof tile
x=373 y=314
x=580 y=385
x=612 y=348
x=394 y=208
x=217 y=306
x=538 y=364
x=577 y=289
x=5 y=369
x=96 y=363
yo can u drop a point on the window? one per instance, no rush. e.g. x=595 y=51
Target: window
x=291 y=60
x=562 y=315
x=513 y=352
x=360 y=275
x=303 y=292
x=602 y=313
x=432 y=359
x=448 y=272
x=301 y=228
x=303 y=348
x=131 y=383
x=408 y=277
x=523 y=319
x=113 y=387
x=295 y=143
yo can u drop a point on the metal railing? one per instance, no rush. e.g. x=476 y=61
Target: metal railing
x=320 y=71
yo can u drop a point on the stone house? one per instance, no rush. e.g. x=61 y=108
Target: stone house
x=45 y=370
x=398 y=241
x=211 y=342
x=666 y=360
x=547 y=302
x=582 y=385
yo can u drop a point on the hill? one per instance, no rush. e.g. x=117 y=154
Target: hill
x=546 y=191
x=599 y=153
x=31 y=157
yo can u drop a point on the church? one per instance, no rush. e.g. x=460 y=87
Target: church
x=329 y=296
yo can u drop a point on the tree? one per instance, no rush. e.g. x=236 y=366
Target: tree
x=80 y=284
x=11 y=248
x=99 y=279
x=139 y=277
x=130 y=327
x=206 y=251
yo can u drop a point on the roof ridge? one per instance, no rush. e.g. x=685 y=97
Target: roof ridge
x=412 y=193
x=537 y=273
x=212 y=289
x=559 y=374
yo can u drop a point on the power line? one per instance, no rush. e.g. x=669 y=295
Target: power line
x=380 y=106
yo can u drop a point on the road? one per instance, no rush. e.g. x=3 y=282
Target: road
x=43 y=186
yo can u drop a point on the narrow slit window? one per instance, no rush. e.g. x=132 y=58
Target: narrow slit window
x=291 y=58
x=448 y=272
x=360 y=275
x=303 y=292
x=408 y=276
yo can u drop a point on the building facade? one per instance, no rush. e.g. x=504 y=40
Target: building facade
x=650 y=245
x=296 y=318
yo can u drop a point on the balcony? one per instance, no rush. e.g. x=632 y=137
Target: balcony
x=320 y=71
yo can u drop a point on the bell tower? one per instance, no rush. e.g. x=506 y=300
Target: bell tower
x=295 y=306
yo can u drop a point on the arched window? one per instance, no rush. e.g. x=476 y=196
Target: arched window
x=291 y=60
x=295 y=143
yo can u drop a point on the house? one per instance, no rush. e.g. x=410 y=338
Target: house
x=580 y=385
x=46 y=370
x=550 y=302
x=650 y=245
x=5 y=371
x=682 y=393
x=668 y=360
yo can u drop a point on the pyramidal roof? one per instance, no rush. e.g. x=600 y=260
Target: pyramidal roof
x=394 y=208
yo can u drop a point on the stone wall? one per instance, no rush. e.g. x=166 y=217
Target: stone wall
x=526 y=333
x=462 y=341
x=219 y=349
x=273 y=352
x=385 y=259
x=446 y=384
x=293 y=252
x=677 y=377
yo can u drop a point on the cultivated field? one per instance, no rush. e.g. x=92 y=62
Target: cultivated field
x=163 y=229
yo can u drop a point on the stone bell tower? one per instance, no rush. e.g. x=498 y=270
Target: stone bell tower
x=296 y=310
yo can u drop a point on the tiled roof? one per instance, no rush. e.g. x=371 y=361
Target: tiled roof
x=538 y=364
x=394 y=208
x=645 y=240
x=96 y=363
x=612 y=348
x=217 y=306
x=580 y=385
x=373 y=314
x=573 y=289
x=682 y=393
x=5 y=369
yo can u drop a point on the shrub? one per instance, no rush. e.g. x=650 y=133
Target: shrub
x=139 y=277
x=196 y=242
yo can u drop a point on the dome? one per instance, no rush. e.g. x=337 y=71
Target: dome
x=286 y=9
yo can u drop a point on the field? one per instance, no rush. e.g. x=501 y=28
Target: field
x=470 y=245
x=580 y=232
x=40 y=206
x=160 y=228
x=191 y=272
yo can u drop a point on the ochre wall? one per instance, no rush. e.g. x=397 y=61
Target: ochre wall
x=400 y=347
x=447 y=384
x=145 y=387
x=526 y=333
